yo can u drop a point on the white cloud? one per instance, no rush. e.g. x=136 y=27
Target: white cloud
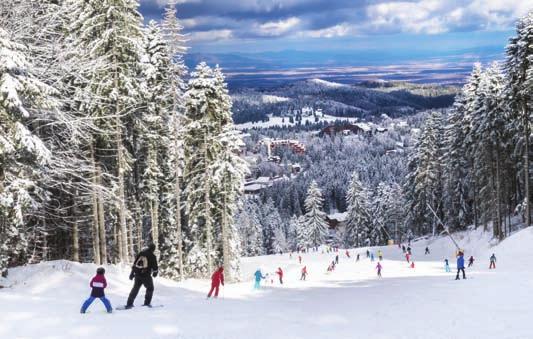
x=277 y=28
x=211 y=36
x=340 y=30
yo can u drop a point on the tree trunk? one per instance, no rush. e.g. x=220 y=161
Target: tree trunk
x=75 y=231
x=225 y=240
x=498 y=195
x=123 y=229
x=101 y=217
x=526 y=163
x=207 y=208
x=94 y=200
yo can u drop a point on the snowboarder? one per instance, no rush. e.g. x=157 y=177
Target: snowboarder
x=427 y=251
x=492 y=262
x=279 y=272
x=446 y=266
x=304 y=273
x=471 y=261
x=460 y=265
x=143 y=269
x=371 y=256
x=337 y=259
x=216 y=280
x=347 y=253
x=379 y=267
x=380 y=255
x=258 y=276
x=98 y=284
x=357 y=258
x=367 y=253
x=407 y=257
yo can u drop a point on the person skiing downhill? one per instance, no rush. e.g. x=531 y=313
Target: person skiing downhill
x=427 y=251
x=299 y=259
x=492 y=262
x=337 y=259
x=143 y=269
x=98 y=284
x=258 y=276
x=446 y=266
x=279 y=272
x=403 y=248
x=460 y=265
x=357 y=258
x=471 y=261
x=304 y=273
x=412 y=264
x=347 y=253
x=380 y=255
x=379 y=267
x=367 y=253
x=371 y=256
x=407 y=257
x=216 y=280
x=409 y=250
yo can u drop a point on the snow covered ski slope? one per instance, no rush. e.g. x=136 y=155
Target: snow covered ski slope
x=350 y=302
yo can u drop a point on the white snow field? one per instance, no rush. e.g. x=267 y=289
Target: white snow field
x=424 y=302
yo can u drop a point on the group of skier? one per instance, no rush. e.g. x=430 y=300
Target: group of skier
x=145 y=268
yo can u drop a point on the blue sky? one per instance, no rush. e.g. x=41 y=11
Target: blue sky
x=324 y=27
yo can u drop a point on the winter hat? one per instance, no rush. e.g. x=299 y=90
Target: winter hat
x=151 y=247
x=100 y=271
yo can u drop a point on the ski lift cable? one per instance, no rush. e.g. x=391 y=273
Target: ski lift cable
x=446 y=228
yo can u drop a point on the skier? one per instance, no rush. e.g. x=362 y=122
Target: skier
x=407 y=257
x=357 y=258
x=279 y=272
x=427 y=251
x=304 y=273
x=337 y=259
x=380 y=255
x=403 y=248
x=300 y=259
x=446 y=266
x=348 y=253
x=258 y=276
x=471 y=261
x=460 y=265
x=409 y=250
x=492 y=262
x=216 y=279
x=412 y=264
x=371 y=256
x=98 y=284
x=143 y=269
x=379 y=267
x=367 y=253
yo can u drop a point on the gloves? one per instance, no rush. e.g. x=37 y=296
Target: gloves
x=154 y=274
x=132 y=276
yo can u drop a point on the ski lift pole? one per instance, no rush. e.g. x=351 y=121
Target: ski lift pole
x=446 y=229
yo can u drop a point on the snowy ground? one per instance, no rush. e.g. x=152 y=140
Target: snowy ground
x=351 y=302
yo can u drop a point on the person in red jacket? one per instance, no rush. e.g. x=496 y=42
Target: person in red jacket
x=98 y=285
x=216 y=279
x=304 y=273
x=279 y=272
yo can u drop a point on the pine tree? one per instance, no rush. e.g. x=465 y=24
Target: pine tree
x=358 y=224
x=315 y=217
x=22 y=96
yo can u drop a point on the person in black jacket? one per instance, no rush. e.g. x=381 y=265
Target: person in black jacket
x=143 y=269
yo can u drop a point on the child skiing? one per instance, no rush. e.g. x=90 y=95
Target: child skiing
x=98 y=284
x=379 y=267
x=380 y=255
x=304 y=273
x=446 y=266
x=460 y=265
x=471 y=261
x=492 y=262
x=216 y=279
x=279 y=272
x=258 y=276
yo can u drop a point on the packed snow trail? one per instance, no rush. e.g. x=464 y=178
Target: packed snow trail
x=349 y=302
